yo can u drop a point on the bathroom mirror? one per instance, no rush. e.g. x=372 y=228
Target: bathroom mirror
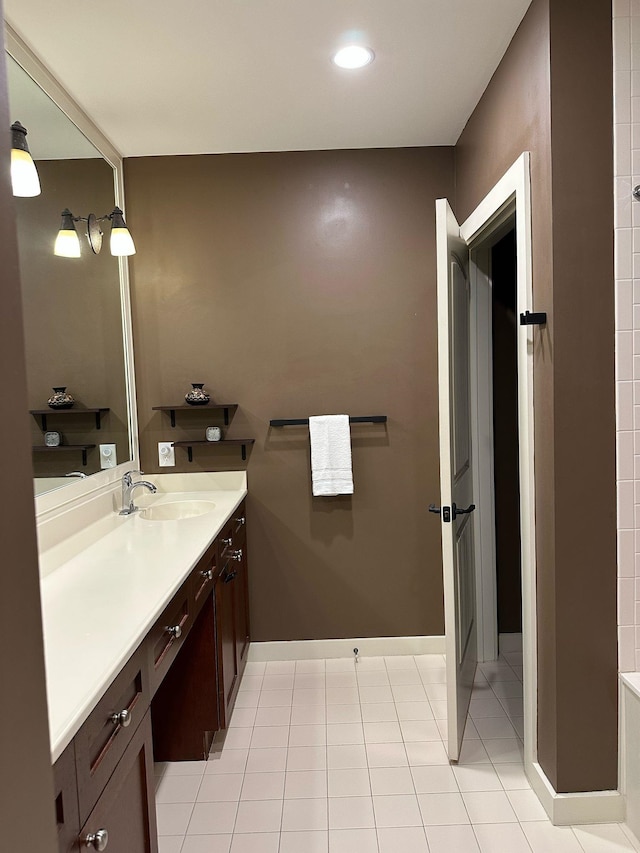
x=75 y=309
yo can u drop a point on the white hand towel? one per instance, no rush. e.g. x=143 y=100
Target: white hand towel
x=331 y=472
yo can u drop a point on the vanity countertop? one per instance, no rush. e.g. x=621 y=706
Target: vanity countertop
x=99 y=602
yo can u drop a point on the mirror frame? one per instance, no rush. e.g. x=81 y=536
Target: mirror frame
x=50 y=503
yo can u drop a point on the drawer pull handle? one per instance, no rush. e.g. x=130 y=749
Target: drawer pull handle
x=237 y=555
x=122 y=719
x=228 y=578
x=207 y=574
x=242 y=520
x=175 y=631
x=98 y=840
x=227 y=542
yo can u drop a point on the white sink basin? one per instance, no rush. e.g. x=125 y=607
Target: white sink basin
x=176 y=510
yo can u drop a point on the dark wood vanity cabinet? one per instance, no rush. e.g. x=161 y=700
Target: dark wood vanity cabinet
x=167 y=703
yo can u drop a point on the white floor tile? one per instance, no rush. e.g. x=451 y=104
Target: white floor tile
x=486 y=708
x=304 y=842
x=452 y=839
x=278 y=682
x=173 y=818
x=414 y=711
x=512 y=777
x=543 y=837
x=353 y=840
x=280 y=667
x=371 y=695
x=442 y=809
x=428 y=661
x=391 y=780
x=349 y=783
x=436 y=675
x=342 y=695
x=404 y=676
x=346 y=757
x=513 y=706
x=526 y=805
x=210 y=818
x=263 y=786
x=386 y=755
x=439 y=709
x=266 y=737
x=494 y=727
x=259 y=842
x=312 y=696
x=227 y=761
x=305 y=783
x=258 y=816
x=280 y=716
x=431 y=752
x=307 y=758
x=178 y=789
x=275 y=698
x=410 y=693
x=400 y=662
x=205 y=844
x=373 y=678
x=343 y=734
x=305 y=815
x=243 y=718
x=341 y=679
x=380 y=712
x=504 y=750
x=404 y=839
x=340 y=665
x=254 y=668
x=382 y=733
x=307 y=680
x=311 y=665
x=351 y=813
x=489 y=807
x=507 y=689
x=308 y=715
x=248 y=699
x=344 y=713
x=250 y=682
x=267 y=760
x=473 y=752
x=419 y=730
x=501 y=838
x=434 y=780
x=603 y=838
x=173 y=843
x=477 y=777
x=220 y=788
x=315 y=735
x=397 y=810
x=238 y=738
x=436 y=692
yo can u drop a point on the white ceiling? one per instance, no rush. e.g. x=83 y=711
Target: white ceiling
x=211 y=76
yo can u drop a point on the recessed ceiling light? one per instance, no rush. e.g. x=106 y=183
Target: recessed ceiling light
x=353 y=56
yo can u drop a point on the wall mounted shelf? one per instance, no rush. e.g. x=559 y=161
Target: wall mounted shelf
x=43 y=414
x=37 y=448
x=185 y=406
x=190 y=444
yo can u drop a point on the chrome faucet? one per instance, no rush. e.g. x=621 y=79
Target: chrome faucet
x=128 y=486
x=76 y=474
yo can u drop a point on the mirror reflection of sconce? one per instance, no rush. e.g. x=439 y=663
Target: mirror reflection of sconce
x=24 y=175
x=67 y=243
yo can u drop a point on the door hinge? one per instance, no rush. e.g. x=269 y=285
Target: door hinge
x=530 y=318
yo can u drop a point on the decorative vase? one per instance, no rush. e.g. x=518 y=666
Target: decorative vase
x=197 y=397
x=60 y=399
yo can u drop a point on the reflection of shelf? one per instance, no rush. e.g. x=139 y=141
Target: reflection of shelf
x=43 y=413
x=42 y=448
x=190 y=444
x=184 y=406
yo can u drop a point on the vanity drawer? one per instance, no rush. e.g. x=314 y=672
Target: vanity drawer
x=202 y=578
x=167 y=635
x=102 y=740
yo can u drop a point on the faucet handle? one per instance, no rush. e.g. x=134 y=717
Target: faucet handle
x=126 y=478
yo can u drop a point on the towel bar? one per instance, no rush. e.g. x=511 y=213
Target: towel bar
x=368 y=419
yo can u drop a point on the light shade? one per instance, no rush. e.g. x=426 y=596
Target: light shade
x=67 y=244
x=24 y=175
x=353 y=56
x=121 y=242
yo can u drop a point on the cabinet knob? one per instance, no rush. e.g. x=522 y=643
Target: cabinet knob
x=121 y=719
x=207 y=574
x=227 y=542
x=175 y=631
x=98 y=840
x=242 y=520
x=237 y=555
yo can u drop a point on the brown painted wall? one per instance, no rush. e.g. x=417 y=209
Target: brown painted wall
x=26 y=783
x=551 y=95
x=295 y=284
x=72 y=313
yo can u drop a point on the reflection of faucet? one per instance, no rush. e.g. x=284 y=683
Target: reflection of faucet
x=76 y=474
x=128 y=486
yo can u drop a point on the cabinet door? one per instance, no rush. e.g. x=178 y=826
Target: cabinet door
x=241 y=609
x=226 y=640
x=126 y=808
x=66 y=791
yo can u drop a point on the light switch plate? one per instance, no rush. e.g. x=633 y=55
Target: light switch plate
x=166 y=454
x=108 y=458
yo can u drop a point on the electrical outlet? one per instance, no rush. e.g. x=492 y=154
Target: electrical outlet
x=108 y=458
x=166 y=454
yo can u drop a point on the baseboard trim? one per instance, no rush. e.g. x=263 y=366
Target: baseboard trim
x=575 y=808
x=367 y=647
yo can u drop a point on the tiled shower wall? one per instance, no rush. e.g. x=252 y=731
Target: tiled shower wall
x=626 y=65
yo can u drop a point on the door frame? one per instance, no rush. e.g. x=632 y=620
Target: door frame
x=509 y=198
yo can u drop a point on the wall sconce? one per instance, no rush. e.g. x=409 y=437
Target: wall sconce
x=67 y=243
x=24 y=175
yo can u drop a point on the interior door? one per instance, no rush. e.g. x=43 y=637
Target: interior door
x=456 y=478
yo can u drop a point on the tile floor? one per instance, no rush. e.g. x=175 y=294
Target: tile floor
x=338 y=756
